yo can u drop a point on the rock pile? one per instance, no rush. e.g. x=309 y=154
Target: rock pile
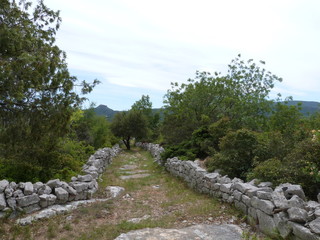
x=27 y=197
x=154 y=149
x=281 y=211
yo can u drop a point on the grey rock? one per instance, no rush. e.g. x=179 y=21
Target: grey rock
x=85 y=178
x=237 y=195
x=37 y=186
x=31 y=208
x=55 y=183
x=264 y=195
x=279 y=199
x=21 y=185
x=302 y=232
x=246 y=200
x=47 y=200
x=265 y=184
x=62 y=195
x=252 y=212
x=226 y=188
x=291 y=189
x=204 y=232
x=296 y=201
x=245 y=187
x=312 y=206
x=28 y=200
x=74 y=179
x=315 y=226
x=263 y=205
x=297 y=215
x=45 y=189
x=224 y=180
x=28 y=188
x=317 y=213
x=69 y=189
x=79 y=186
x=281 y=221
x=318 y=197
x=266 y=223
x=8 y=191
x=18 y=193
x=114 y=191
x=12 y=203
x=3 y=185
x=241 y=206
x=13 y=185
x=3 y=203
x=138 y=220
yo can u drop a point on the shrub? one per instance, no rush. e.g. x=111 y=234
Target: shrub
x=236 y=155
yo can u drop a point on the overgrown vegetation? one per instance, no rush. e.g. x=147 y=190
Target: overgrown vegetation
x=43 y=132
x=230 y=121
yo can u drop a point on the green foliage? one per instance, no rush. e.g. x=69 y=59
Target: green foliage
x=37 y=95
x=241 y=96
x=184 y=151
x=128 y=125
x=237 y=153
x=94 y=130
x=300 y=166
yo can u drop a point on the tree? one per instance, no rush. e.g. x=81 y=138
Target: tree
x=241 y=96
x=127 y=125
x=37 y=92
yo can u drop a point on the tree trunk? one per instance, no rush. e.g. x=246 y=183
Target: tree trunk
x=127 y=143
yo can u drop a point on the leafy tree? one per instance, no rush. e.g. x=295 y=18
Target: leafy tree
x=37 y=96
x=128 y=125
x=92 y=129
x=237 y=153
x=145 y=106
x=241 y=96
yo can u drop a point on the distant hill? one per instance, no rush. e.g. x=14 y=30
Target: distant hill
x=307 y=107
x=103 y=110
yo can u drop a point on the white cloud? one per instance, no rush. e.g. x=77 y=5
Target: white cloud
x=148 y=44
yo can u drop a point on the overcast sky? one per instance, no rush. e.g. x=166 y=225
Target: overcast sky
x=139 y=47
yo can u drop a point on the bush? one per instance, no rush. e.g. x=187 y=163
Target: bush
x=183 y=151
x=237 y=153
x=300 y=166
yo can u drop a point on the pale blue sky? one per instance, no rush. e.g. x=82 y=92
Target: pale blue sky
x=139 y=47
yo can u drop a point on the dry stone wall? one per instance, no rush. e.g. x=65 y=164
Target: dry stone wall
x=30 y=197
x=280 y=211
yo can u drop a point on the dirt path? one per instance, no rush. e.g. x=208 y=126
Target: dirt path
x=152 y=198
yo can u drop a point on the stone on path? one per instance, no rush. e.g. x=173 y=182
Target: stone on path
x=114 y=191
x=135 y=176
x=203 y=232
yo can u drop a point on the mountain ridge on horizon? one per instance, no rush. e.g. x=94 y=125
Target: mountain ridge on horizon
x=307 y=108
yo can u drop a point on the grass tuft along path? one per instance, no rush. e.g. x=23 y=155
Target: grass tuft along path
x=153 y=197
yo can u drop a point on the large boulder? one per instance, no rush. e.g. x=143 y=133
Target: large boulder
x=28 y=200
x=62 y=195
x=3 y=185
x=28 y=188
x=208 y=232
x=3 y=203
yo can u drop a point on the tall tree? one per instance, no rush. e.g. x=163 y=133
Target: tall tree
x=128 y=125
x=241 y=96
x=37 y=95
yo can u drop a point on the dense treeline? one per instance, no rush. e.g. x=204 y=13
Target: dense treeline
x=229 y=121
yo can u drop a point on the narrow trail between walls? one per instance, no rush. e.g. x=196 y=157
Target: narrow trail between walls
x=151 y=201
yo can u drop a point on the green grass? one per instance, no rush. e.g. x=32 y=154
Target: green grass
x=178 y=202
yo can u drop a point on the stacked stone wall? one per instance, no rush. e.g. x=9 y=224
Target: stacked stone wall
x=280 y=211
x=30 y=197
